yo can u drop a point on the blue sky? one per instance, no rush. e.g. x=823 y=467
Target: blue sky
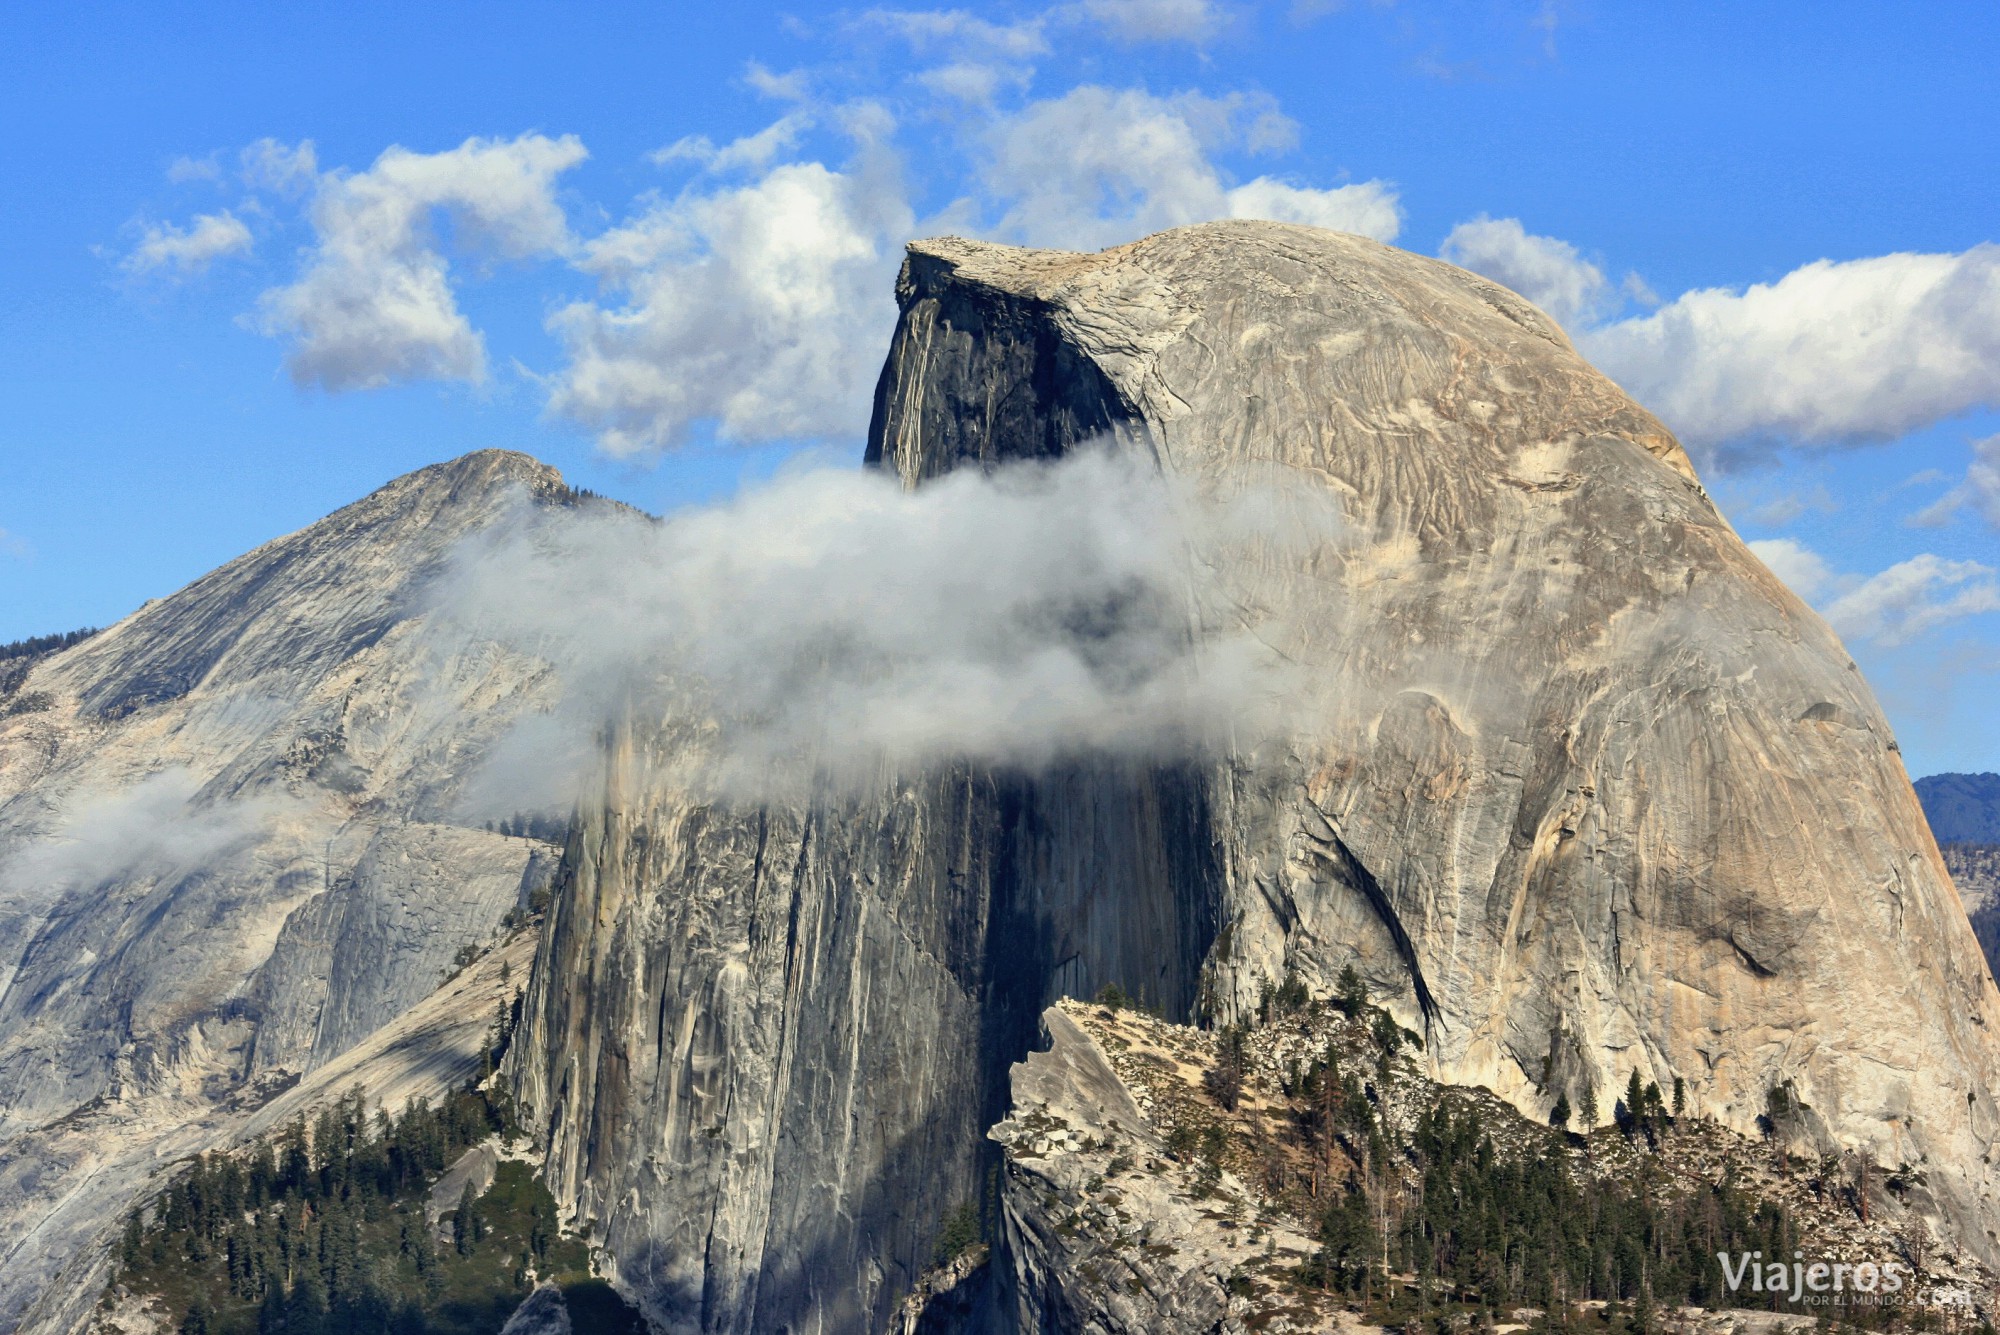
x=260 y=260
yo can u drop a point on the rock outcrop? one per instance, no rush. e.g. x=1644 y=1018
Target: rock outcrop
x=1104 y=1230
x=543 y=1312
x=1577 y=785
x=1135 y=1203
x=232 y=848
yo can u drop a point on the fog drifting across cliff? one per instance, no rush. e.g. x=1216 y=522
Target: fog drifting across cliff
x=156 y=828
x=830 y=622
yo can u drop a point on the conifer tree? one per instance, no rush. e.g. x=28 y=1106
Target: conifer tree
x=130 y=1245
x=1350 y=993
x=465 y=1224
x=271 y=1313
x=1224 y=1079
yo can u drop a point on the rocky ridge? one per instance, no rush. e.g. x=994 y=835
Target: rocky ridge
x=1576 y=787
x=231 y=850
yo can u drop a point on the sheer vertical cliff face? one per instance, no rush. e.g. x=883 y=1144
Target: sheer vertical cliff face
x=1575 y=782
x=766 y=1045
x=231 y=849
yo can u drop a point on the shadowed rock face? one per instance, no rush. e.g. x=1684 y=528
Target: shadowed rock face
x=1577 y=784
x=765 y=1046
x=230 y=851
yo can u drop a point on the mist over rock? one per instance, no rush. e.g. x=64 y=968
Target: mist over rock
x=233 y=846
x=1573 y=781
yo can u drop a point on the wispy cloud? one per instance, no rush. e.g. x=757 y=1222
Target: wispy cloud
x=961 y=33
x=1978 y=491
x=180 y=252
x=289 y=170
x=1192 y=21
x=185 y=170
x=1893 y=606
x=156 y=828
x=750 y=152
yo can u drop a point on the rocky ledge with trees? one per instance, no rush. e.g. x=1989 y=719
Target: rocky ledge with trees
x=1304 y=1173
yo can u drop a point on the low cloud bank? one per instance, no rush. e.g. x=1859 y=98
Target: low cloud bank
x=830 y=623
x=157 y=828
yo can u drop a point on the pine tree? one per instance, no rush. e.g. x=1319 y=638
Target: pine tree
x=1559 y=1115
x=1224 y=1079
x=1350 y=993
x=1641 y=1320
x=305 y=1309
x=130 y=1247
x=271 y=1314
x=465 y=1224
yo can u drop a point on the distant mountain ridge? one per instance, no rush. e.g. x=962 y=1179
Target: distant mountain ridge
x=1962 y=808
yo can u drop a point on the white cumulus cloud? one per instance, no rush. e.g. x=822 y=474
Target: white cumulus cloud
x=1802 y=569
x=763 y=308
x=1098 y=166
x=1893 y=606
x=375 y=304
x=1848 y=351
x=1368 y=208
x=1547 y=271
x=183 y=251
